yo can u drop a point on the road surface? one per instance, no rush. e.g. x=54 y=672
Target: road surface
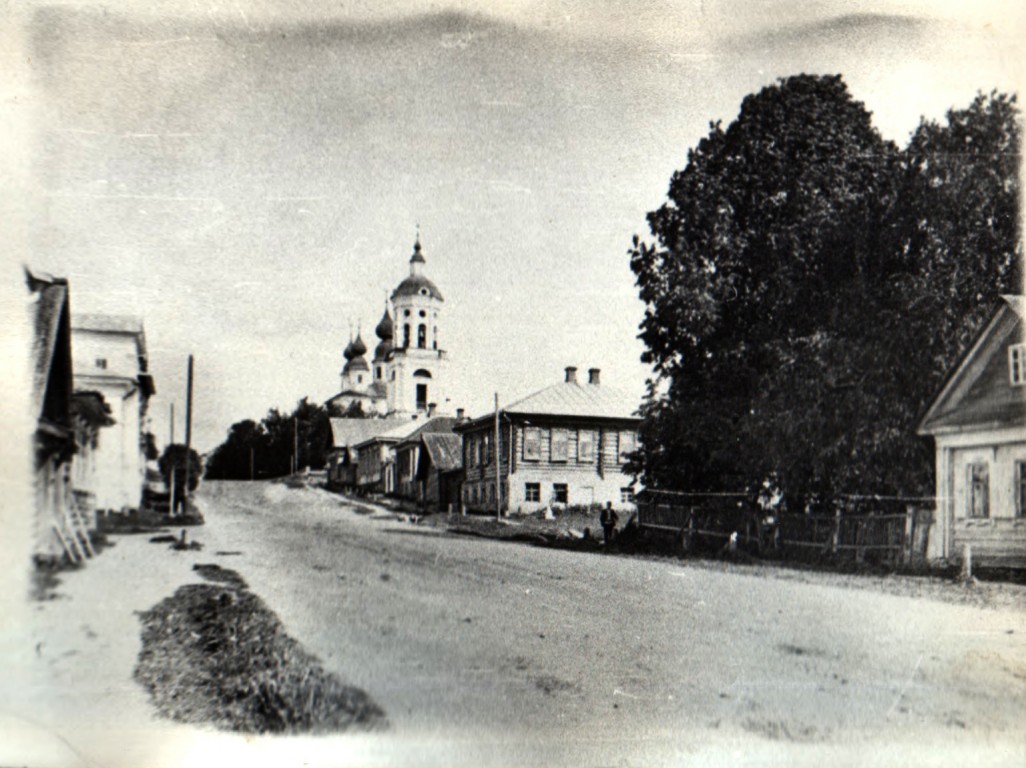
x=505 y=653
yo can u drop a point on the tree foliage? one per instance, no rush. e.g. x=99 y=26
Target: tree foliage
x=265 y=449
x=800 y=272
x=175 y=458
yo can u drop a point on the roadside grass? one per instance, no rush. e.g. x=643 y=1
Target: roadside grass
x=216 y=654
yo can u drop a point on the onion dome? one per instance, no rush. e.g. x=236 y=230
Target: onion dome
x=385 y=329
x=381 y=351
x=348 y=352
x=417 y=257
x=359 y=348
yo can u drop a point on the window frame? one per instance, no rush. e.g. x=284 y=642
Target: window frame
x=532 y=435
x=1017 y=365
x=559 y=438
x=1019 y=478
x=532 y=492
x=972 y=483
x=561 y=489
x=586 y=437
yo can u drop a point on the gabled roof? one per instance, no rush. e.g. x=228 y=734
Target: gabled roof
x=977 y=392
x=445 y=450
x=572 y=400
x=346 y=433
x=412 y=430
x=51 y=307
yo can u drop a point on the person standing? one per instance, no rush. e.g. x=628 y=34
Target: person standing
x=608 y=519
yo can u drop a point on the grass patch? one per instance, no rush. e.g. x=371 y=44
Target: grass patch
x=217 y=655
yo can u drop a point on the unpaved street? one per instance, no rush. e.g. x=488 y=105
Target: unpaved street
x=484 y=651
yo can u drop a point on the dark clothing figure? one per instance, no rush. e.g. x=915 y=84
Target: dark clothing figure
x=608 y=519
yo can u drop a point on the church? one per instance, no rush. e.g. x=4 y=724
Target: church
x=406 y=375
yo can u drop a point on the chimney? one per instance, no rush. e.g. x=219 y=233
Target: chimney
x=431 y=409
x=593 y=375
x=571 y=375
x=459 y=414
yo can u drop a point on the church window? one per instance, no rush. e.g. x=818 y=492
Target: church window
x=406 y=313
x=422 y=373
x=406 y=333
x=422 y=397
x=379 y=372
x=422 y=336
x=423 y=313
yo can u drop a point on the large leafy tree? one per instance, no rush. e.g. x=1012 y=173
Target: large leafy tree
x=778 y=291
x=270 y=444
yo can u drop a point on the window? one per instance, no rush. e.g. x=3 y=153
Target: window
x=406 y=333
x=628 y=443
x=434 y=337
x=626 y=496
x=406 y=313
x=559 y=445
x=978 y=490
x=532 y=491
x=486 y=449
x=532 y=444
x=559 y=493
x=1020 y=489
x=422 y=336
x=585 y=446
x=422 y=397
x=468 y=452
x=423 y=313
x=380 y=371
x=1017 y=365
x=101 y=362
x=491 y=492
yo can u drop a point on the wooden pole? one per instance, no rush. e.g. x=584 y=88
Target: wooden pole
x=172 y=440
x=188 y=436
x=497 y=453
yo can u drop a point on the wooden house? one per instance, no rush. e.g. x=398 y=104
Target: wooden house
x=425 y=462
x=565 y=445
x=978 y=423
x=58 y=528
x=346 y=433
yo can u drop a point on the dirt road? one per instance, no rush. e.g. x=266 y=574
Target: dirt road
x=487 y=652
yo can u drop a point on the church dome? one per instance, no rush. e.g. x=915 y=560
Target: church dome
x=348 y=352
x=381 y=351
x=385 y=329
x=416 y=284
x=359 y=348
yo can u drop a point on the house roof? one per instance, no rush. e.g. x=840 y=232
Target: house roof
x=123 y=324
x=348 y=432
x=571 y=399
x=977 y=392
x=51 y=304
x=412 y=430
x=445 y=450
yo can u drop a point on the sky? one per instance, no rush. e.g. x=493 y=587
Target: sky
x=248 y=177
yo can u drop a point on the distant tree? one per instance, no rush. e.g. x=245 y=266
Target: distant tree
x=173 y=461
x=270 y=444
x=810 y=284
x=241 y=454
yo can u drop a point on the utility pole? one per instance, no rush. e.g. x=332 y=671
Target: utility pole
x=497 y=453
x=188 y=435
x=171 y=499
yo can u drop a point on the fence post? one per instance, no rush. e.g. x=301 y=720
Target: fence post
x=835 y=540
x=908 y=539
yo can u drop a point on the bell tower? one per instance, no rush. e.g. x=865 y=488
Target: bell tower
x=416 y=369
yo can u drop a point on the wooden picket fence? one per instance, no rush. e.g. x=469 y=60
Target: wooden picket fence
x=886 y=531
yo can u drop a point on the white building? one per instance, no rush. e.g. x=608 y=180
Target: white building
x=109 y=353
x=407 y=374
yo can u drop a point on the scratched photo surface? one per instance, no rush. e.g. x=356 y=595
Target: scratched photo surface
x=249 y=223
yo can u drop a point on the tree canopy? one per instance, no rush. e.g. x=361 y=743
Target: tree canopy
x=265 y=449
x=808 y=286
